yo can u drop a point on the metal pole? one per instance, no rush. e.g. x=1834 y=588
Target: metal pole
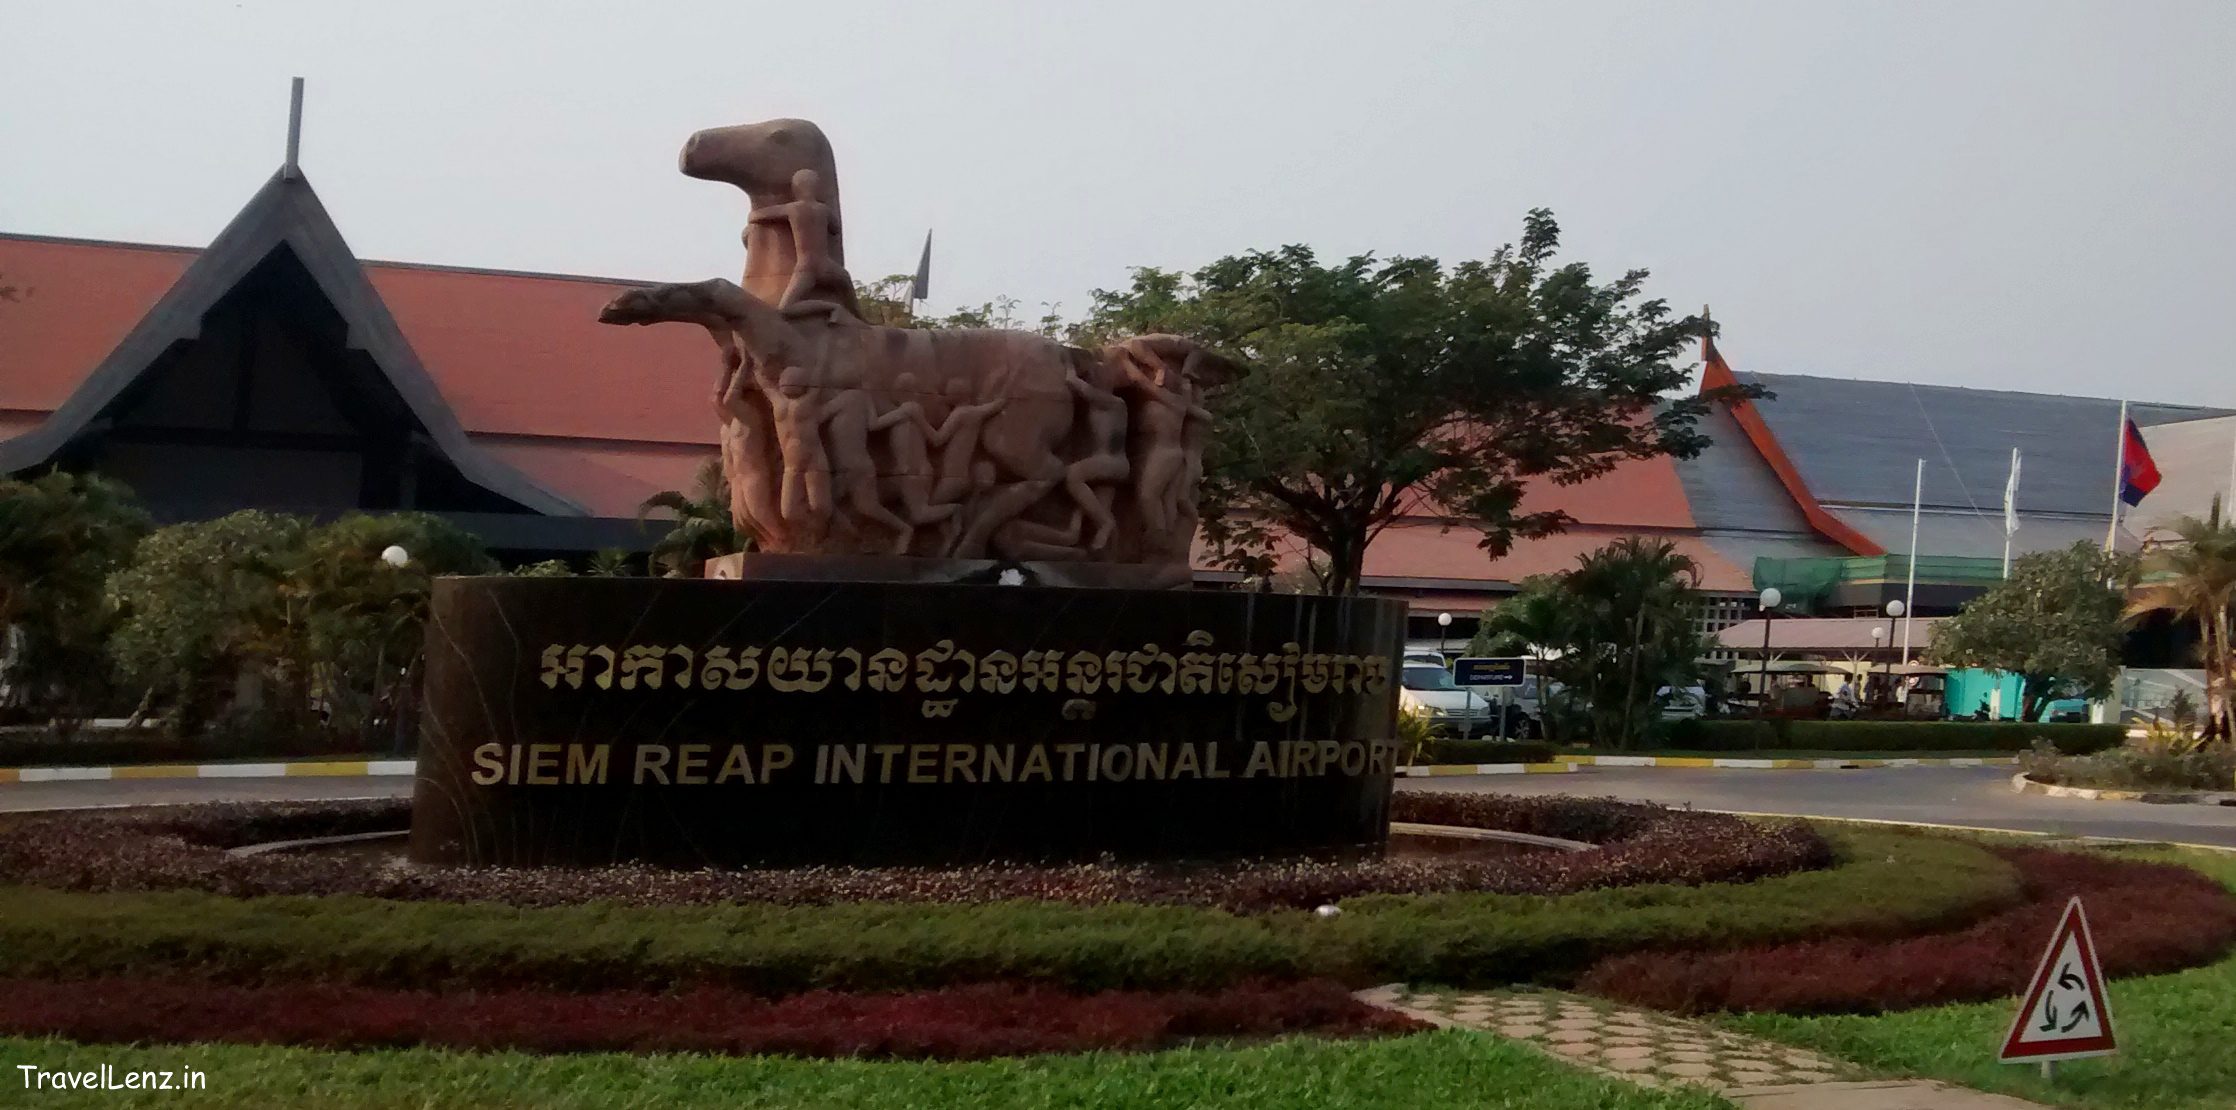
x=294 y=128
x=1910 y=592
x=1762 y=682
x=2119 y=460
x=2008 y=510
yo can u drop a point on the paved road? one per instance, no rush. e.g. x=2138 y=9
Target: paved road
x=17 y=797
x=1976 y=797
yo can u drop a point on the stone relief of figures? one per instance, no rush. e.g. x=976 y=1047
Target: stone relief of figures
x=840 y=437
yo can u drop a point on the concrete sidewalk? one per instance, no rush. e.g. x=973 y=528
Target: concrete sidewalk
x=1656 y=1050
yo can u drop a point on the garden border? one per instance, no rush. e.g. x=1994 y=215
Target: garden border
x=2023 y=784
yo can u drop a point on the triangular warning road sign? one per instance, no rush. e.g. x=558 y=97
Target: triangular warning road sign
x=2066 y=1013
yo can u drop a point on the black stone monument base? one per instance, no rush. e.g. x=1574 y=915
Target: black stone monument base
x=591 y=721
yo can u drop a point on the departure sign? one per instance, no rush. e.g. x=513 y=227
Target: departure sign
x=1488 y=671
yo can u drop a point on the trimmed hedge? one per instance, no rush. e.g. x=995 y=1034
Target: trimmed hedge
x=1774 y=734
x=961 y=1023
x=1489 y=751
x=2147 y=918
x=183 y=847
x=88 y=747
x=1889 y=884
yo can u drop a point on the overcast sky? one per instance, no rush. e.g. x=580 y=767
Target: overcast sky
x=2025 y=194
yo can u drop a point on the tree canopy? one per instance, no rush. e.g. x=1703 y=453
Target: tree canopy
x=1380 y=388
x=2055 y=622
x=1613 y=631
x=61 y=536
x=2191 y=573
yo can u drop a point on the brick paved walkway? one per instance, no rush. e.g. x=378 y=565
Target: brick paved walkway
x=1656 y=1050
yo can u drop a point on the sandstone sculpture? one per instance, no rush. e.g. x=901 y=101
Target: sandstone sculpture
x=841 y=437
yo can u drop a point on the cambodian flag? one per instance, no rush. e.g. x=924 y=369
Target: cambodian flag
x=2138 y=473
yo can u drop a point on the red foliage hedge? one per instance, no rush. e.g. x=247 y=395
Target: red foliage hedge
x=957 y=1023
x=183 y=848
x=2146 y=917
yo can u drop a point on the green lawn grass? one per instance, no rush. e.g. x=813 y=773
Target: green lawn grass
x=2174 y=1030
x=1427 y=1070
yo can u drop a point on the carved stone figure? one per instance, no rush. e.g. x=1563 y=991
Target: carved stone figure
x=840 y=437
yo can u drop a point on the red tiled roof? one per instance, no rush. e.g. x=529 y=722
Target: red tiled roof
x=80 y=300
x=606 y=478
x=1427 y=551
x=611 y=415
x=525 y=354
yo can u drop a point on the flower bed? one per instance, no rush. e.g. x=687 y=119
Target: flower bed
x=183 y=848
x=957 y=1023
x=2146 y=918
x=1883 y=884
x=2158 y=764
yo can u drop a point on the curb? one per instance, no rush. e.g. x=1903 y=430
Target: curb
x=2025 y=785
x=1440 y=769
x=1695 y=762
x=333 y=768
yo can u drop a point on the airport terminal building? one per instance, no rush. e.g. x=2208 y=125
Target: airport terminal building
x=272 y=368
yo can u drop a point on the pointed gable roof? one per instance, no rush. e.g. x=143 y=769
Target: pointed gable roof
x=284 y=213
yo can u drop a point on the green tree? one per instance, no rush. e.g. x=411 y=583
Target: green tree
x=205 y=613
x=702 y=526
x=1540 y=622
x=61 y=536
x=360 y=622
x=2055 y=622
x=1635 y=633
x=1611 y=632
x=2191 y=573
x=263 y=618
x=1385 y=388
x=612 y=562
x=885 y=302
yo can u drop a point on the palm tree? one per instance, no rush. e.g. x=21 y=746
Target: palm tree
x=703 y=526
x=1637 y=597
x=2192 y=574
x=1539 y=622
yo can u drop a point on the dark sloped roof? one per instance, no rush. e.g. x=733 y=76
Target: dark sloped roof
x=1857 y=442
x=284 y=214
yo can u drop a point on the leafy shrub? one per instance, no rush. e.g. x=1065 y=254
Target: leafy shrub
x=42 y=747
x=1888 y=884
x=1930 y=736
x=967 y=1022
x=1923 y=737
x=2152 y=763
x=61 y=536
x=2146 y=918
x=184 y=848
x=1446 y=750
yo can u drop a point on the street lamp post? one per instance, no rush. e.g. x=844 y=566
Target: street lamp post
x=1894 y=611
x=1878 y=635
x=1770 y=599
x=1443 y=631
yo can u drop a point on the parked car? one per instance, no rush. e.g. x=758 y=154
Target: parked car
x=1682 y=702
x=1524 y=706
x=1426 y=658
x=1426 y=691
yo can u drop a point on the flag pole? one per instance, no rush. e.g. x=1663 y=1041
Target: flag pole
x=1910 y=592
x=2119 y=461
x=2010 y=510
